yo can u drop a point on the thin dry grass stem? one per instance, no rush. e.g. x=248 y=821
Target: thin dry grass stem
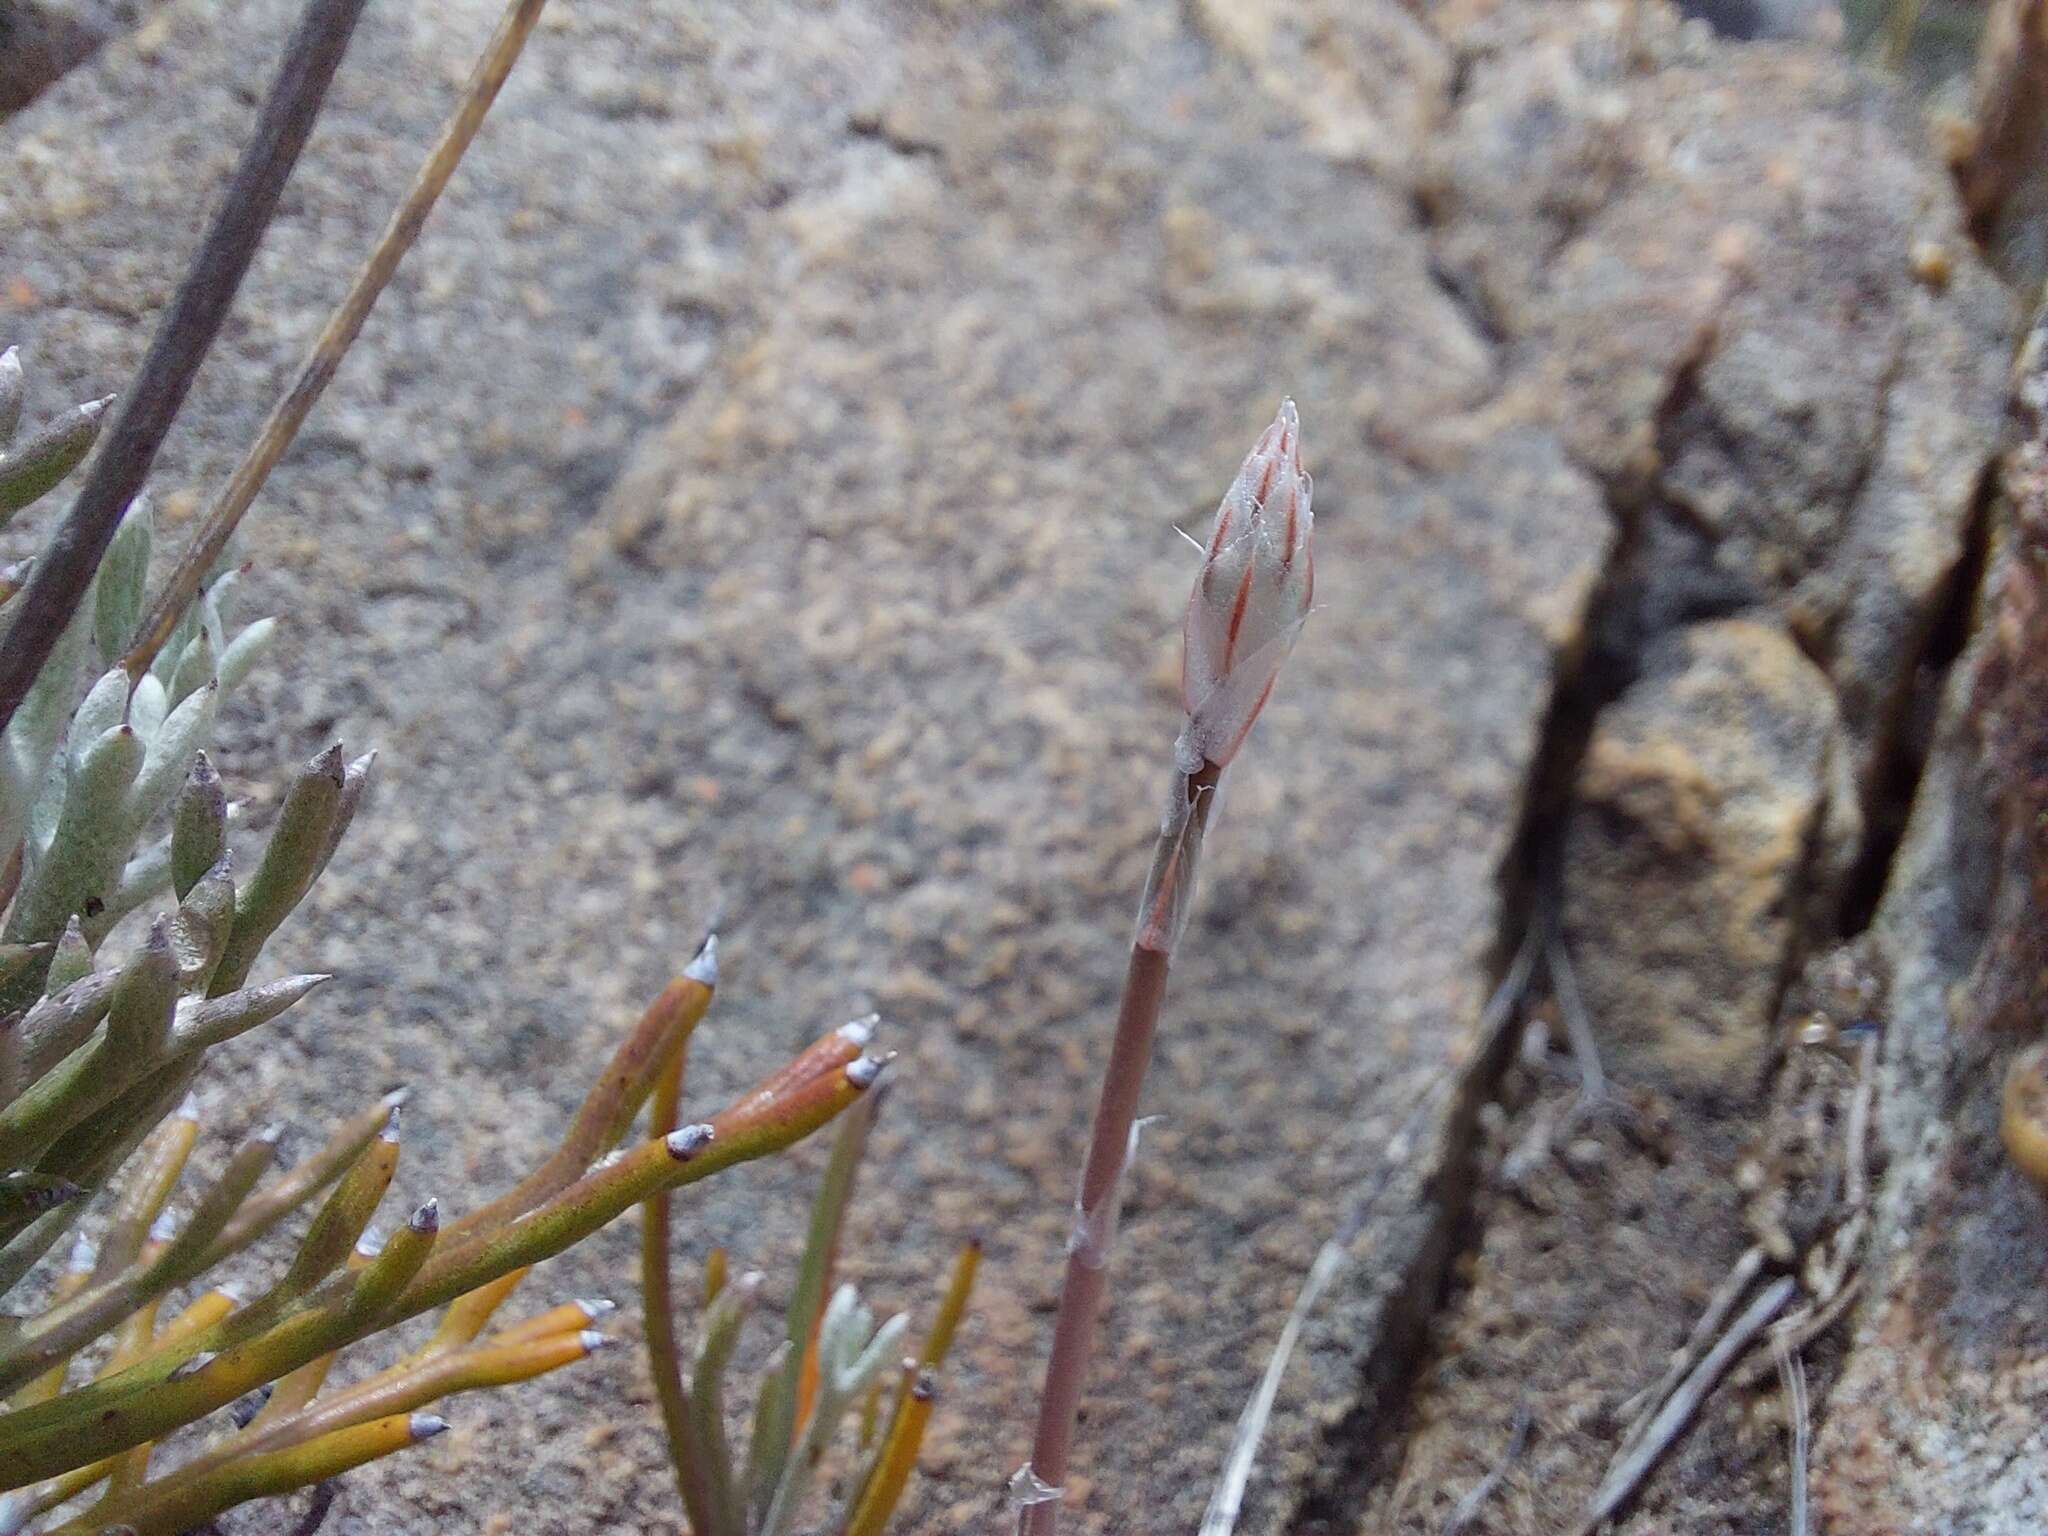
x=1226 y=1501
x=1641 y=1409
x=1856 y=1126
x=1467 y=1509
x=338 y=335
x=62 y=575
x=1792 y=1373
x=1634 y=1464
x=1578 y=1023
x=1801 y=1328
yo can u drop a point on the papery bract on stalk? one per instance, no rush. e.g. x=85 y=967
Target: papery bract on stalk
x=1256 y=585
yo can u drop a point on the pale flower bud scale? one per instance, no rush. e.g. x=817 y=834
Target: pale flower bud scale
x=1253 y=594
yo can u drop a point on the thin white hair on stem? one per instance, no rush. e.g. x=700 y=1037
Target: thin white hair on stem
x=1094 y=1234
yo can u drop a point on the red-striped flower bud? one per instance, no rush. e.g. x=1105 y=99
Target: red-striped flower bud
x=1258 y=580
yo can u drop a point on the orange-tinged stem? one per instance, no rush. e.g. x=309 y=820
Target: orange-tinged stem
x=897 y=1460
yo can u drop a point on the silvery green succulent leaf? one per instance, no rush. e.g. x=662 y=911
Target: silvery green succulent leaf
x=852 y=1353
x=143 y=879
x=88 y=845
x=145 y=998
x=213 y=1021
x=105 y=706
x=165 y=667
x=298 y=847
x=29 y=748
x=857 y=1374
x=244 y=651
x=195 y=668
x=59 y=1024
x=124 y=570
x=171 y=755
x=199 y=825
x=148 y=705
x=32 y=468
x=71 y=962
x=48 y=806
x=21 y=962
x=205 y=918
x=213 y=607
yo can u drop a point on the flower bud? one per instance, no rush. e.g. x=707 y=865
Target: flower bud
x=1249 y=603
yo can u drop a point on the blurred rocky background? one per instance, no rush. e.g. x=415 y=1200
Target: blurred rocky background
x=757 y=496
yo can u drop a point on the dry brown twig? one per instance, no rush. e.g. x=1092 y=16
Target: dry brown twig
x=183 y=338
x=338 y=335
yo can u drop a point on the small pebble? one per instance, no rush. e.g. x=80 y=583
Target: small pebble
x=1931 y=263
x=1587 y=1152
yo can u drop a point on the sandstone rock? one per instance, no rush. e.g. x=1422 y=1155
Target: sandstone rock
x=1696 y=809
x=1938 y=1424
x=1724 y=313
x=940 y=323
x=759 y=485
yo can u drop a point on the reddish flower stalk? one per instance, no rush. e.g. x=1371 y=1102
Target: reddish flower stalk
x=1248 y=606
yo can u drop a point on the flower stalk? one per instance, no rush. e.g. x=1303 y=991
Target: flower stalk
x=1248 y=605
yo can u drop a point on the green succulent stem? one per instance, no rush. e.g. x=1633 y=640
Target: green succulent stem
x=175 y=1387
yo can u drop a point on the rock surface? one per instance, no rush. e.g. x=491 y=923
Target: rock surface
x=757 y=491
x=1943 y=1399
x=1696 y=810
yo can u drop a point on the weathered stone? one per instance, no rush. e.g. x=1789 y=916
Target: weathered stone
x=950 y=318
x=759 y=485
x=1938 y=1421
x=1696 y=808
x=1724 y=311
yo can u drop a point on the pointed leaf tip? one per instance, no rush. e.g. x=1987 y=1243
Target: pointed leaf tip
x=861 y=1030
x=863 y=1070
x=704 y=967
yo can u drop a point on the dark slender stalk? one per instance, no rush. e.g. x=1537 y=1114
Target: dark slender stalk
x=1109 y=1145
x=338 y=335
x=182 y=340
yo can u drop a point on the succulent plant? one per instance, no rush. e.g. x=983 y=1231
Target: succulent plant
x=109 y=807
x=833 y=1359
